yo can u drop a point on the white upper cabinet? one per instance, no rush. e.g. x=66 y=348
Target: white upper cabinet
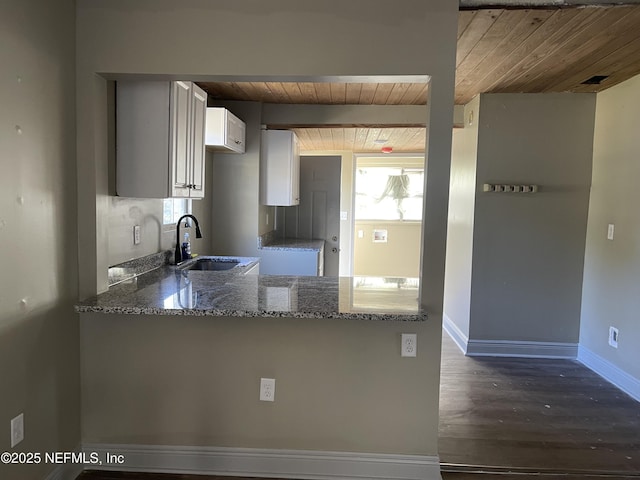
x=279 y=168
x=225 y=131
x=160 y=139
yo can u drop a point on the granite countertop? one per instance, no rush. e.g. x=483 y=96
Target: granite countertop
x=171 y=290
x=288 y=244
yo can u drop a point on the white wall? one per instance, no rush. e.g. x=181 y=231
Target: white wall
x=39 y=339
x=457 y=291
x=612 y=268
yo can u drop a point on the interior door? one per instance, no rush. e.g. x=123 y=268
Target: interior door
x=318 y=215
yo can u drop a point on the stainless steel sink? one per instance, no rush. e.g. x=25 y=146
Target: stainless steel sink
x=212 y=264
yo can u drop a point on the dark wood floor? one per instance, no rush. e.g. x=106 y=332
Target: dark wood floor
x=540 y=419
x=549 y=415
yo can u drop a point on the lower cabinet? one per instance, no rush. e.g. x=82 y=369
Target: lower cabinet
x=290 y=262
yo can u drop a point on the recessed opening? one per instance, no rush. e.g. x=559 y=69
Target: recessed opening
x=595 y=80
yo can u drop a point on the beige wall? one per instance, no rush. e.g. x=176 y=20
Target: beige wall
x=528 y=250
x=398 y=257
x=193 y=40
x=341 y=385
x=39 y=340
x=612 y=268
x=457 y=296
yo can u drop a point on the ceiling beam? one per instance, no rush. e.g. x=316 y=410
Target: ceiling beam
x=316 y=116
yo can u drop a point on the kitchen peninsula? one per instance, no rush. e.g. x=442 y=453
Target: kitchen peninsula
x=171 y=290
x=172 y=362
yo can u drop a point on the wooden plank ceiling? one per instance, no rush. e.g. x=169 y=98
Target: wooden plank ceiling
x=500 y=50
x=550 y=50
x=362 y=139
x=321 y=93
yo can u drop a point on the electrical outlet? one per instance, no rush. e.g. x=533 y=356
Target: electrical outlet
x=610 y=231
x=17 y=430
x=268 y=389
x=613 y=337
x=409 y=346
x=136 y=234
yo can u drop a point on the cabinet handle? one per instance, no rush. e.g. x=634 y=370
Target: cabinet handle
x=238 y=142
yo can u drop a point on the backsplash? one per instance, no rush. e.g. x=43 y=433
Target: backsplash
x=267 y=238
x=132 y=268
x=124 y=214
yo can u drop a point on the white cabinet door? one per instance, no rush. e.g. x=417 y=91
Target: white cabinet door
x=160 y=139
x=181 y=139
x=236 y=131
x=279 y=168
x=199 y=110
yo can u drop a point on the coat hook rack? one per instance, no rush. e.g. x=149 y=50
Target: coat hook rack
x=510 y=188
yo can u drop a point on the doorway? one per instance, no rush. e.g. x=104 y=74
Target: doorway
x=318 y=214
x=387 y=215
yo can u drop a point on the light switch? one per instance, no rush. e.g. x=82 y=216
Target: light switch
x=610 y=232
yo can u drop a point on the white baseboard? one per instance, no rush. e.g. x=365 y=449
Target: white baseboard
x=613 y=374
x=267 y=463
x=66 y=472
x=457 y=335
x=510 y=348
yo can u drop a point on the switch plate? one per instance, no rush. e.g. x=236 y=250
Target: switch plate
x=344 y=215
x=268 y=389
x=17 y=430
x=136 y=234
x=409 y=347
x=613 y=337
x=610 y=231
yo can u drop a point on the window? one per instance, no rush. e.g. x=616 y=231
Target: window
x=389 y=193
x=173 y=209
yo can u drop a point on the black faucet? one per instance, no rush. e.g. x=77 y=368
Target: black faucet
x=178 y=254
